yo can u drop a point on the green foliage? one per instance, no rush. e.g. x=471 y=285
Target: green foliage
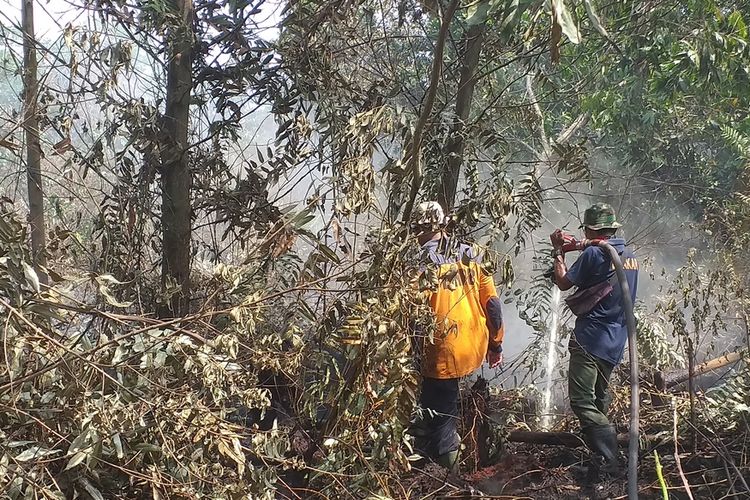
x=728 y=405
x=727 y=218
x=137 y=401
x=192 y=409
x=697 y=303
x=738 y=141
x=656 y=350
x=527 y=195
x=296 y=366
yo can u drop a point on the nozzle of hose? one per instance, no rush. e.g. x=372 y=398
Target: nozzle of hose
x=572 y=244
x=568 y=242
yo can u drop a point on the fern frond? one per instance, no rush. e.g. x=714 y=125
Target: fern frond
x=738 y=141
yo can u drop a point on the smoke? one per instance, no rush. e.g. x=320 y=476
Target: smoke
x=660 y=229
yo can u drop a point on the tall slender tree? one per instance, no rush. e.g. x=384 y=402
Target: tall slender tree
x=33 y=148
x=176 y=179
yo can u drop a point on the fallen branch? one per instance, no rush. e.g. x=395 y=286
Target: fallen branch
x=568 y=439
x=547 y=438
x=676 y=378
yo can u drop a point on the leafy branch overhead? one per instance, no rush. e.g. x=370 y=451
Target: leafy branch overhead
x=224 y=299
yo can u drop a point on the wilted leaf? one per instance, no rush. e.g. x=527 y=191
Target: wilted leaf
x=90 y=489
x=78 y=443
x=111 y=299
x=35 y=453
x=118 y=445
x=554 y=41
x=31 y=277
x=5 y=143
x=62 y=146
x=561 y=17
x=108 y=278
x=16 y=444
x=103 y=280
x=234 y=452
x=77 y=459
x=594 y=18
x=147 y=447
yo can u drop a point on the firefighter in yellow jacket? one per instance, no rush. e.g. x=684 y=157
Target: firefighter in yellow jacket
x=469 y=330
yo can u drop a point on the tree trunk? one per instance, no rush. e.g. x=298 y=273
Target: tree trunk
x=472 y=48
x=414 y=152
x=176 y=179
x=33 y=148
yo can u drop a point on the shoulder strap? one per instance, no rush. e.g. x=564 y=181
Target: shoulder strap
x=612 y=279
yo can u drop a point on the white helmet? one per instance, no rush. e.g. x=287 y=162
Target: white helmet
x=428 y=212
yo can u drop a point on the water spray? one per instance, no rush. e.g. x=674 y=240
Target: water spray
x=553 y=325
x=572 y=244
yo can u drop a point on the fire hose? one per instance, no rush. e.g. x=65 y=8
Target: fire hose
x=627 y=304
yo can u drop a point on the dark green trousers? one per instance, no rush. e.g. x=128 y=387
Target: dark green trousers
x=588 y=386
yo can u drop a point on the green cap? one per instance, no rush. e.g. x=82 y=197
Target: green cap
x=600 y=216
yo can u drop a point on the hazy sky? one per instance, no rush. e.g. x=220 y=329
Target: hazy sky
x=51 y=16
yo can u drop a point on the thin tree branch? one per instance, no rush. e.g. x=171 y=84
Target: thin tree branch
x=413 y=163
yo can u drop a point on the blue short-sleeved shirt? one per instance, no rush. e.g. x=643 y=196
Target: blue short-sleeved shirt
x=603 y=331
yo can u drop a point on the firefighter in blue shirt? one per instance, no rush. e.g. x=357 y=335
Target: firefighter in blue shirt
x=600 y=334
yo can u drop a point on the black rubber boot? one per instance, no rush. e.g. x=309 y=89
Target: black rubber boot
x=602 y=441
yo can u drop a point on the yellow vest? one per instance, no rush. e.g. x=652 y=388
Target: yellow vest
x=460 y=303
